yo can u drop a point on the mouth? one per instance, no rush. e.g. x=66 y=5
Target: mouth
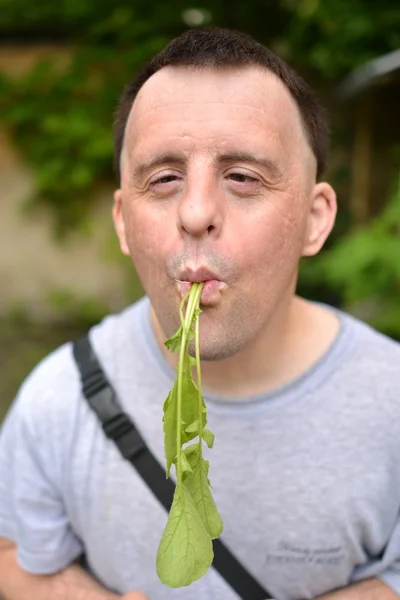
x=197 y=275
x=213 y=286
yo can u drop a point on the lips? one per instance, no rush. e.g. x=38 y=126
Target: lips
x=211 y=292
x=197 y=275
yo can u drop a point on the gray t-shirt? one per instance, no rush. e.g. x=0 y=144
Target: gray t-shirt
x=307 y=477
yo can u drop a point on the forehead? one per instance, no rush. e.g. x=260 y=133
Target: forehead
x=215 y=107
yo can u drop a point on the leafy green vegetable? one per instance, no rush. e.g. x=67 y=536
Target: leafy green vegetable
x=198 y=484
x=185 y=552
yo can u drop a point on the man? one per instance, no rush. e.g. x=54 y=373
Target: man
x=220 y=148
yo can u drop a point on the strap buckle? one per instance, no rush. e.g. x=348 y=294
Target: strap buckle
x=94 y=383
x=125 y=435
x=117 y=426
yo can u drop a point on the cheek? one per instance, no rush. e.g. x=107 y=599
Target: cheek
x=272 y=244
x=145 y=241
x=144 y=229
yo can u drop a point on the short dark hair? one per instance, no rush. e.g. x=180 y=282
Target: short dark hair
x=213 y=48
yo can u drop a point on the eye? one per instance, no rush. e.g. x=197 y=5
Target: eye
x=164 y=179
x=242 y=178
x=164 y=183
x=243 y=183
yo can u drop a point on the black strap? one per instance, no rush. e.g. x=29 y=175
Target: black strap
x=120 y=428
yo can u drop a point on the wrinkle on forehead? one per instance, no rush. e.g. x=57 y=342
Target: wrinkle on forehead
x=253 y=87
x=251 y=96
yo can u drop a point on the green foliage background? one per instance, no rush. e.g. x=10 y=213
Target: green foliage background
x=363 y=269
x=60 y=116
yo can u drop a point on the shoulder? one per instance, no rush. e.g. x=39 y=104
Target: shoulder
x=52 y=391
x=375 y=349
x=369 y=364
x=53 y=379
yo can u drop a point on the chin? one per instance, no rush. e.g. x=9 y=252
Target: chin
x=215 y=350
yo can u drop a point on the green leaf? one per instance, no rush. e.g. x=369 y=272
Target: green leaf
x=208 y=437
x=190 y=410
x=190 y=423
x=185 y=552
x=198 y=486
x=174 y=342
x=193 y=428
x=192 y=361
x=186 y=468
x=169 y=419
x=190 y=335
x=191 y=449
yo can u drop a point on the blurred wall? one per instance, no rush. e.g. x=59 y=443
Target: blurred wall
x=35 y=269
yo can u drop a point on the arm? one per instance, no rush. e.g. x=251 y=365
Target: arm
x=370 y=589
x=72 y=583
x=33 y=455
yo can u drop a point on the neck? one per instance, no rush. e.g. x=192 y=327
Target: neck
x=295 y=338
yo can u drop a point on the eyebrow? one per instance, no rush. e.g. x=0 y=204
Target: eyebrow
x=161 y=159
x=261 y=161
x=180 y=159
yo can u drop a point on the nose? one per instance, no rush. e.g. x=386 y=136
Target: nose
x=200 y=208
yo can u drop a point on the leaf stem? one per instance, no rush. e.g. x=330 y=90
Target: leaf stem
x=198 y=373
x=182 y=304
x=193 y=302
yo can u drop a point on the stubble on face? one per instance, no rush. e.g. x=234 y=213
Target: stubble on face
x=257 y=241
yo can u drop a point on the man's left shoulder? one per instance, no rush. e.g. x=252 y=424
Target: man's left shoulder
x=377 y=347
x=375 y=356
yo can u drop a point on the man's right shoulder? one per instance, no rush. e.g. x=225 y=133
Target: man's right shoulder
x=54 y=384
x=48 y=402
x=45 y=407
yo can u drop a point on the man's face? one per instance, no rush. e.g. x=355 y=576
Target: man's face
x=218 y=183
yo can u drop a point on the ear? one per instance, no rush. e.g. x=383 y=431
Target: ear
x=119 y=224
x=321 y=218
